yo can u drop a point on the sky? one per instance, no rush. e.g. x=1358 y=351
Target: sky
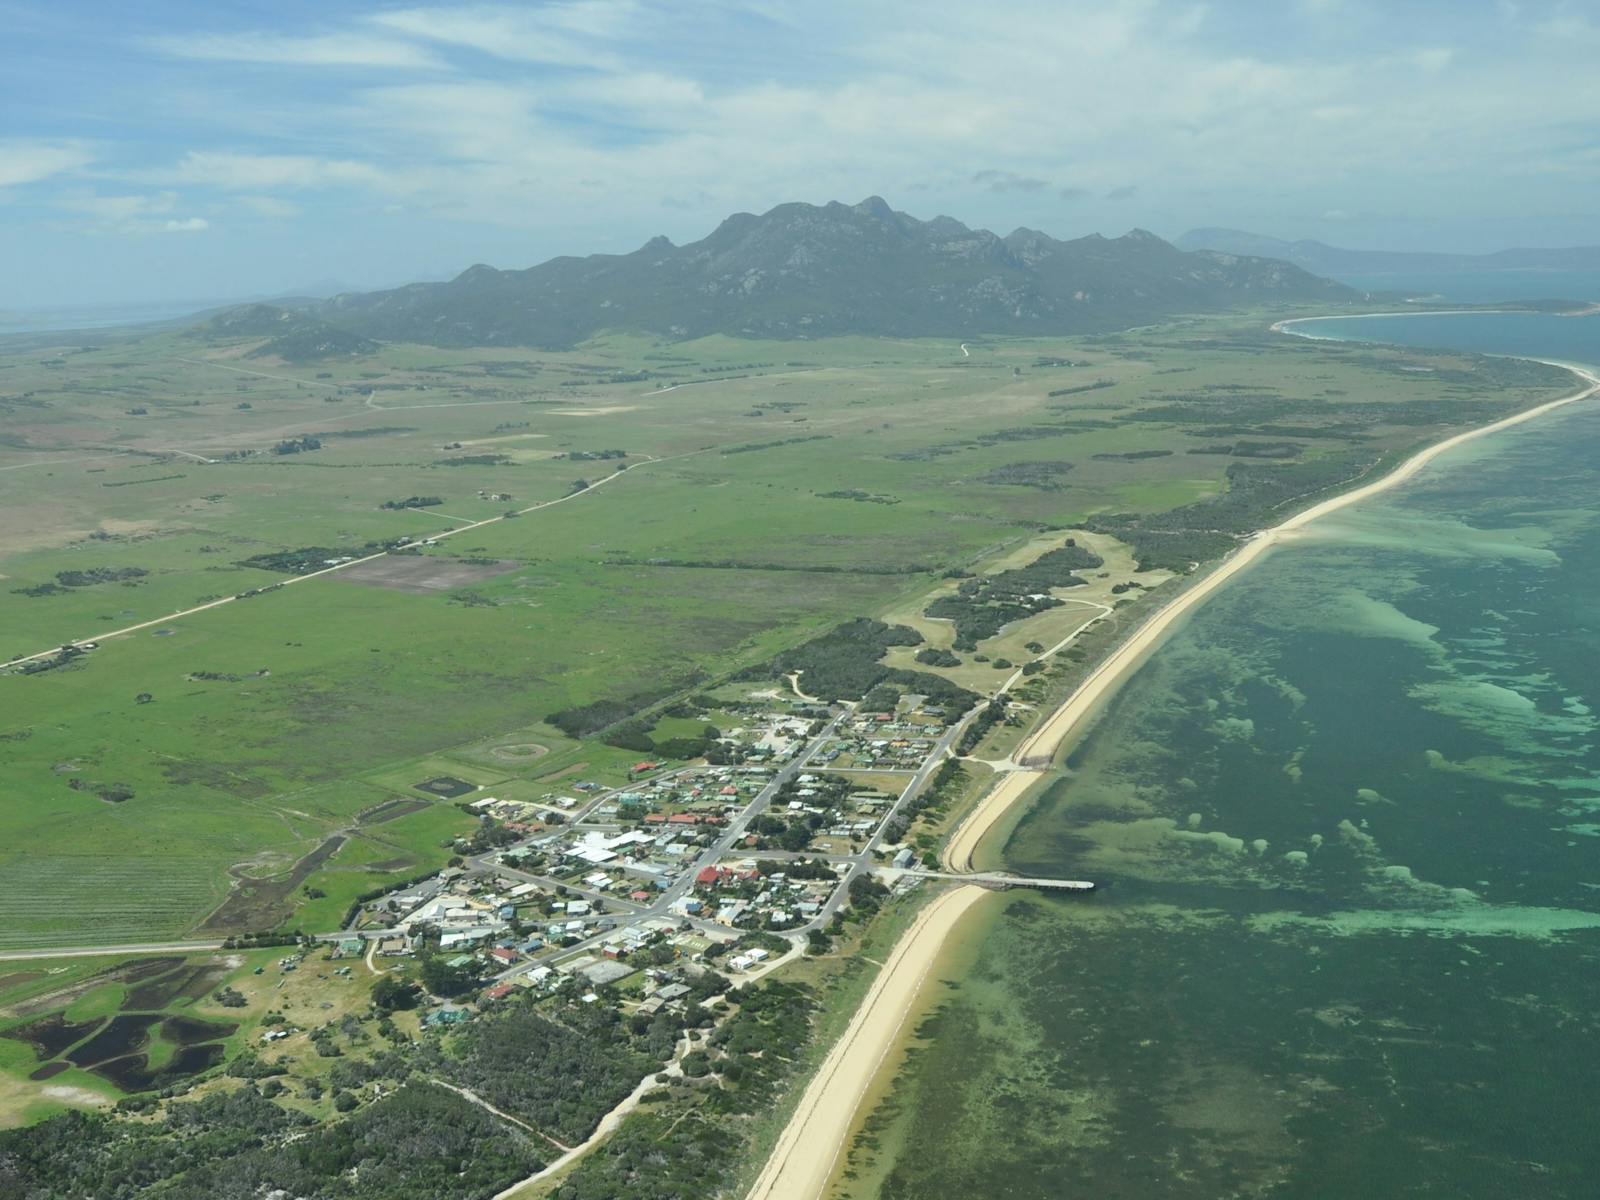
x=166 y=151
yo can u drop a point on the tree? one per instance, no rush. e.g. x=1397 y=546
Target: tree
x=697 y=1064
x=866 y=893
x=442 y=979
x=391 y=992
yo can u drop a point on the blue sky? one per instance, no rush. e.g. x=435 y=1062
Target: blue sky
x=166 y=150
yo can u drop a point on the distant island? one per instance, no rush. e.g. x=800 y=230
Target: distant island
x=1323 y=259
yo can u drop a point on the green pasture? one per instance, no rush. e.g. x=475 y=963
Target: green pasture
x=774 y=488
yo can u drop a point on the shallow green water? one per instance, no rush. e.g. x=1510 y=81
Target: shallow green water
x=1349 y=820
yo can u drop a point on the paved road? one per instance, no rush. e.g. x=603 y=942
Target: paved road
x=867 y=859
x=737 y=828
x=723 y=847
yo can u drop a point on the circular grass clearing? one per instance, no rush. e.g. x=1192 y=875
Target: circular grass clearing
x=520 y=751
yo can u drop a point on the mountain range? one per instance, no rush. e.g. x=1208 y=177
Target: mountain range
x=803 y=270
x=1323 y=259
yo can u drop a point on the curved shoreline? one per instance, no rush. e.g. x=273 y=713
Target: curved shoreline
x=808 y=1149
x=1283 y=326
x=807 y=1152
x=1034 y=753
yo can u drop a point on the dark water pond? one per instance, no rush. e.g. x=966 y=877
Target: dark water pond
x=49 y=1036
x=122 y=1035
x=187 y=1031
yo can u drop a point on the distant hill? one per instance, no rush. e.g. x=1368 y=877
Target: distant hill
x=806 y=271
x=1321 y=258
x=292 y=336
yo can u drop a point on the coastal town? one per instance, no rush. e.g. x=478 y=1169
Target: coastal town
x=744 y=865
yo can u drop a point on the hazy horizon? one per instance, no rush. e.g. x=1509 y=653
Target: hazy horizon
x=180 y=150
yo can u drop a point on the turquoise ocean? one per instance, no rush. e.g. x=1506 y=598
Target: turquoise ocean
x=1348 y=823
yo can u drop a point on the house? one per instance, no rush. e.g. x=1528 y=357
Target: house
x=743 y=962
x=498 y=992
x=708 y=877
x=503 y=957
x=535 y=977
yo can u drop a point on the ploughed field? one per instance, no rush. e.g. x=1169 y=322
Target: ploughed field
x=767 y=491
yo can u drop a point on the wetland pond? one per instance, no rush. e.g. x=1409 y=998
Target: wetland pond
x=123 y=1046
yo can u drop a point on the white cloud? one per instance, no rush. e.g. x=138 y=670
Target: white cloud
x=118 y=207
x=1434 y=59
x=25 y=161
x=127 y=215
x=332 y=50
x=565 y=118
x=232 y=171
x=561 y=34
x=267 y=206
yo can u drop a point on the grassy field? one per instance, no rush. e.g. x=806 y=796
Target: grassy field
x=772 y=489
